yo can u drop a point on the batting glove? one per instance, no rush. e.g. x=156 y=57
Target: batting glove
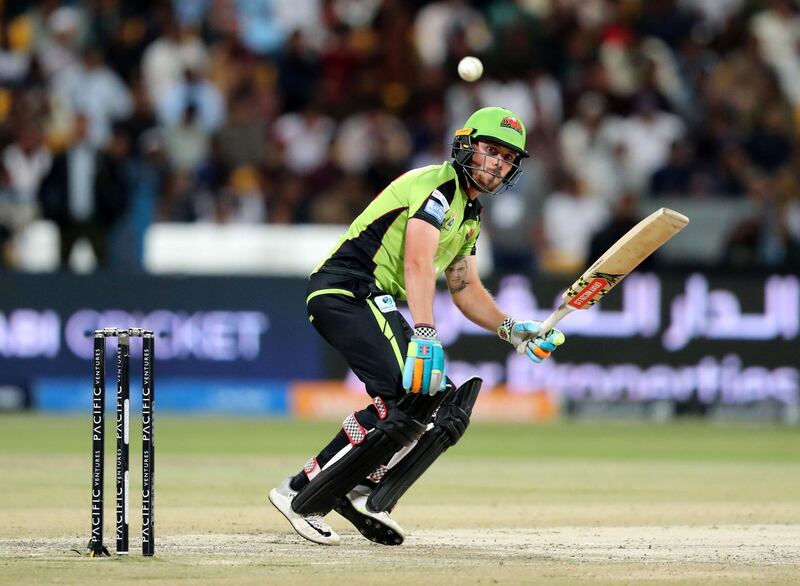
x=424 y=367
x=524 y=336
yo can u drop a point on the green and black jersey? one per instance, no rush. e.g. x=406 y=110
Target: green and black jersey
x=374 y=246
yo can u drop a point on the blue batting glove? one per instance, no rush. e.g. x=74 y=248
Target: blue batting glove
x=424 y=368
x=524 y=336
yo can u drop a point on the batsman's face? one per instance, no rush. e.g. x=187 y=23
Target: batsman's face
x=491 y=162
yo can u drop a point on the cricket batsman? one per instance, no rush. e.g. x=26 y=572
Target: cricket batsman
x=426 y=222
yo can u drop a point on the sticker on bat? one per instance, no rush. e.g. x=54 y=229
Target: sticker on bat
x=585 y=295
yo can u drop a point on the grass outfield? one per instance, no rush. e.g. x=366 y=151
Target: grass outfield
x=565 y=503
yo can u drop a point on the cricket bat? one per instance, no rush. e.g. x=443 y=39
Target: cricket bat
x=616 y=263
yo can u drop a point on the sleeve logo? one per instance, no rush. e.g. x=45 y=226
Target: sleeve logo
x=435 y=210
x=439 y=196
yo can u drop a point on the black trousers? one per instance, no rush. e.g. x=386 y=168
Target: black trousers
x=363 y=324
x=94 y=232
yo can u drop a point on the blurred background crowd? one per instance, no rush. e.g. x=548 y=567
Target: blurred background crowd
x=115 y=115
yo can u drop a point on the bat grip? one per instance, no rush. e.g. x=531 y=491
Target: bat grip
x=548 y=324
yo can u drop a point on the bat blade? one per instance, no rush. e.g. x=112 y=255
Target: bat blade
x=624 y=255
x=616 y=263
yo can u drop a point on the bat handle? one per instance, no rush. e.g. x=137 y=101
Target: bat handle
x=548 y=324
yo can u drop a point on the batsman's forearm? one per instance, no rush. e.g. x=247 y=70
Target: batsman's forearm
x=420 y=289
x=479 y=307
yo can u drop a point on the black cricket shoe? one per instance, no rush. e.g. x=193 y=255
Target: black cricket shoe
x=377 y=527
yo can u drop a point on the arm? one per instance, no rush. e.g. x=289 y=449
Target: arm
x=422 y=240
x=477 y=304
x=424 y=368
x=469 y=294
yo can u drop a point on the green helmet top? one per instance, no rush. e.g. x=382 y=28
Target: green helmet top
x=496 y=125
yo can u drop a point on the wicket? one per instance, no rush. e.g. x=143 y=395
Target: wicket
x=95 y=548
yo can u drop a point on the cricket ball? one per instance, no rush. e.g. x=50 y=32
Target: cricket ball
x=470 y=69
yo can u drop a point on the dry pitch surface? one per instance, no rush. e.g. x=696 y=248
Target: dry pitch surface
x=565 y=504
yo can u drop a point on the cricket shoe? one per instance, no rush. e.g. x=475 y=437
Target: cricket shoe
x=312 y=527
x=377 y=527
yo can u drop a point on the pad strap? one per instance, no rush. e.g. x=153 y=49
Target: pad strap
x=383 y=410
x=378 y=474
x=354 y=431
x=311 y=468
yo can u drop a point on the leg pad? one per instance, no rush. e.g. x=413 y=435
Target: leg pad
x=451 y=422
x=404 y=425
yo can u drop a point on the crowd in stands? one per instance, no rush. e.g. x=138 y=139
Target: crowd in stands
x=115 y=115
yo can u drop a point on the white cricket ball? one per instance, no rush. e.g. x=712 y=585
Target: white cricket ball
x=470 y=69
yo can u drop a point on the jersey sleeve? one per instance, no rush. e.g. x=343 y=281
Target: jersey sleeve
x=431 y=207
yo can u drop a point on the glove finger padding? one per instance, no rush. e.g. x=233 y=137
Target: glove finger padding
x=437 y=379
x=424 y=367
x=409 y=367
x=538 y=349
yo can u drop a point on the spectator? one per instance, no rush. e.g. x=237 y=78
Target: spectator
x=647 y=135
x=590 y=147
x=15 y=62
x=185 y=201
x=86 y=192
x=242 y=200
x=304 y=139
x=363 y=136
x=231 y=66
x=149 y=174
x=716 y=14
x=187 y=144
x=766 y=238
x=429 y=135
x=142 y=118
x=340 y=63
x=243 y=137
x=259 y=28
x=675 y=176
x=667 y=20
x=191 y=12
x=93 y=89
x=511 y=223
x=26 y=162
x=778 y=32
x=8 y=222
x=341 y=202
x=547 y=103
x=570 y=217
x=192 y=92
x=730 y=173
x=438 y=21
x=768 y=145
x=124 y=30
x=58 y=35
x=168 y=57
x=298 y=72
x=289 y=203
x=625 y=216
